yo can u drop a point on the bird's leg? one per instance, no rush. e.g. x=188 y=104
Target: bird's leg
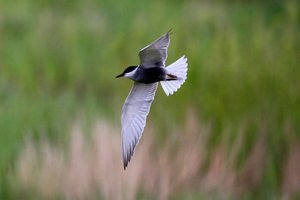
x=171 y=77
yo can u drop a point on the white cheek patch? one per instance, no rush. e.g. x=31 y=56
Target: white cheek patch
x=130 y=74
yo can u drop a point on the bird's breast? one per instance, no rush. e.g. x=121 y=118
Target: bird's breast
x=151 y=75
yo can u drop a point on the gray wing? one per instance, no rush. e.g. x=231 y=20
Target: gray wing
x=155 y=54
x=135 y=111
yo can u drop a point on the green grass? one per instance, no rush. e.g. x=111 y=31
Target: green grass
x=58 y=60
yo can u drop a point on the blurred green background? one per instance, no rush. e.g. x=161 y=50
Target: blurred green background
x=58 y=60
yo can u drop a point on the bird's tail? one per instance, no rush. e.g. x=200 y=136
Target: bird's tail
x=176 y=76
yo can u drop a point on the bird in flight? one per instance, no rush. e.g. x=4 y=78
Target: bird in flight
x=146 y=76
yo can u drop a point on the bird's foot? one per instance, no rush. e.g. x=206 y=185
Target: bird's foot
x=171 y=77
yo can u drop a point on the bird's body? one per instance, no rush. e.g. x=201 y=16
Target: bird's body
x=146 y=77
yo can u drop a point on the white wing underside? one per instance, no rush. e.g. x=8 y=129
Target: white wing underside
x=155 y=54
x=135 y=111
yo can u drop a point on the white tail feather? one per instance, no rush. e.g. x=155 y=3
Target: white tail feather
x=178 y=69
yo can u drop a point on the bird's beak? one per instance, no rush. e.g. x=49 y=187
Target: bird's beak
x=121 y=75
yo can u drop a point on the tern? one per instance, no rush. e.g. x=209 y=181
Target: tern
x=146 y=76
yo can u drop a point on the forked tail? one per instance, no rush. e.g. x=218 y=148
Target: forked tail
x=176 y=76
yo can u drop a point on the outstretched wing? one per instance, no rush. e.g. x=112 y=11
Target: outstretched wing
x=155 y=54
x=135 y=111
